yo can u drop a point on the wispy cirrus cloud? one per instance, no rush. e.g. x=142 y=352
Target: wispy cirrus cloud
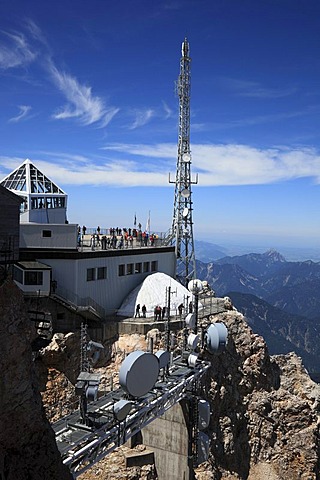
x=160 y=150
x=217 y=165
x=21 y=49
x=36 y=32
x=15 y=51
x=142 y=117
x=258 y=119
x=167 y=110
x=24 y=110
x=82 y=104
x=247 y=88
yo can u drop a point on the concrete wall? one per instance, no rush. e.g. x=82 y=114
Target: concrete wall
x=168 y=437
x=44 y=215
x=62 y=236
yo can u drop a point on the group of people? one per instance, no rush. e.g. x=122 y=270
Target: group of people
x=117 y=237
x=143 y=310
x=181 y=308
x=160 y=312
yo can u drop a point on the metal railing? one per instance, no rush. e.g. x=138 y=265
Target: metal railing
x=105 y=241
x=76 y=302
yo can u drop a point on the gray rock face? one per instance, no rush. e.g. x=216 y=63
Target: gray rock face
x=27 y=443
x=265 y=410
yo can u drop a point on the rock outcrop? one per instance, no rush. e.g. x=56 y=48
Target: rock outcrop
x=27 y=444
x=265 y=411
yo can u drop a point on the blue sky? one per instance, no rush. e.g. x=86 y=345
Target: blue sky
x=87 y=92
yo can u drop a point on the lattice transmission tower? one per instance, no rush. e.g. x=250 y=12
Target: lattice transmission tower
x=182 y=225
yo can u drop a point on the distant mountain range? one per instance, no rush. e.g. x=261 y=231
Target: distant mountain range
x=208 y=252
x=280 y=299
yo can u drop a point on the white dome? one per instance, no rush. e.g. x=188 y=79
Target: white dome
x=152 y=292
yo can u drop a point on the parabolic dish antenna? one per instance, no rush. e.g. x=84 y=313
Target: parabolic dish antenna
x=138 y=373
x=192 y=359
x=216 y=337
x=186 y=157
x=190 y=320
x=185 y=212
x=185 y=193
x=193 y=341
x=163 y=357
x=121 y=409
x=195 y=286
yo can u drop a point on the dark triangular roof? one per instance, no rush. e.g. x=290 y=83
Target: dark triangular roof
x=5 y=192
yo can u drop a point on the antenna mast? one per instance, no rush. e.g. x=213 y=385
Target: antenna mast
x=182 y=231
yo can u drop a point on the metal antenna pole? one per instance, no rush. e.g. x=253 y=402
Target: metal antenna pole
x=182 y=225
x=167 y=325
x=84 y=362
x=84 y=367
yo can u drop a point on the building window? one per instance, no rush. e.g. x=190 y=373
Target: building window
x=33 y=278
x=138 y=268
x=58 y=202
x=18 y=275
x=146 y=267
x=46 y=233
x=154 y=266
x=91 y=274
x=102 y=273
x=130 y=269
x=121 y=270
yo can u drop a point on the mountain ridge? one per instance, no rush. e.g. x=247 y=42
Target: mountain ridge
x=285 y=295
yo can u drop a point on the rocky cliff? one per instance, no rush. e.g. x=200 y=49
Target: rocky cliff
x=265 y=409
x=27 y=443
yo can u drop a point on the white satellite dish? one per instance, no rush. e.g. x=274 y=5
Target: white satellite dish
x=185 y=212
x=163 y=357
x=192 y=360
x=216 y=337
x=190 y=320
x=139 y=372
x=193 y=341
x=185 y=193
x=186 y=157
x=121 y=409
x=195 y=286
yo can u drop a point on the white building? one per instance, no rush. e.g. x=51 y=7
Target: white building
x=53 y=264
